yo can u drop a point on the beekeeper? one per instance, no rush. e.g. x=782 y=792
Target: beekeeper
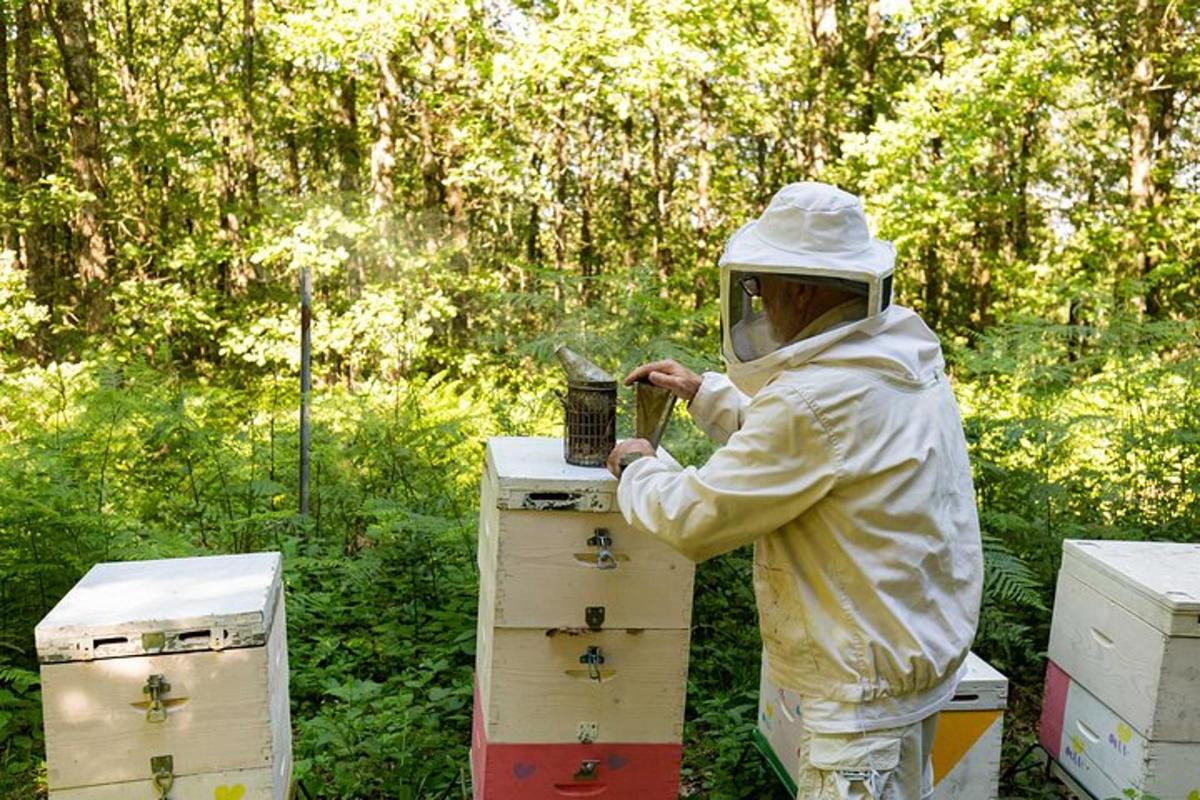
x=843 y=460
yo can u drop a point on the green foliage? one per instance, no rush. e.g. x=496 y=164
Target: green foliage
x=473 y=183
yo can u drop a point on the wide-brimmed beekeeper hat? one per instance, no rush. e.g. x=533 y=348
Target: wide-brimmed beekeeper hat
x=812 y=232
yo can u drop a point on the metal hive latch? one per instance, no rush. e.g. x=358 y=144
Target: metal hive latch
x=603 y=542
x=156 y=686
x=593 y=659
x=588 y=770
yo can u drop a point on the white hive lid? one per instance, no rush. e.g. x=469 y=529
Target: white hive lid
x=982 y=687
x=1157 y=581
x=172 y=605
x=530 y=473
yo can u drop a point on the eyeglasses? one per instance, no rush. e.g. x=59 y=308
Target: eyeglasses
x=751 y=285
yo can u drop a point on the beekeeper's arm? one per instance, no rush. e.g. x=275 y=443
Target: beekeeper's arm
x=772 y=470
x=718 y=407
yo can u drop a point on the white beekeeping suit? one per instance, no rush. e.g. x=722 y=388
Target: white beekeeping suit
x=843 y=460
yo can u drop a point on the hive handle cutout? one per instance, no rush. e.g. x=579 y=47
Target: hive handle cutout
x=1088 y=733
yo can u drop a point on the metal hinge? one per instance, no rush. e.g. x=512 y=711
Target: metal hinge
x=594 y=617
x=162 y=772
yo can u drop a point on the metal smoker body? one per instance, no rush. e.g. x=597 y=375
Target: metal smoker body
x=590 y=409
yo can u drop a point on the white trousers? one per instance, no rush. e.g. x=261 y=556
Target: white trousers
x=891 y=764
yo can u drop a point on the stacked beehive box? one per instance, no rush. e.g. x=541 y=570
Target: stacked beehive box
x=966 y=747
x=168 y=679
x=1122 y=703
x=581 y=660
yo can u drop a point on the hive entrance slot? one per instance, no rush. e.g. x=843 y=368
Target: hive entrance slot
x=108 y=642
x=194 y=636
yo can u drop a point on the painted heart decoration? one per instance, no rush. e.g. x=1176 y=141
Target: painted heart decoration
x=616 y=761
x=521 y=770
x=235 y=792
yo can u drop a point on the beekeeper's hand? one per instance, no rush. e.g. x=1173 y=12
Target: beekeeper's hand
x=629 y=447
x=670 y=375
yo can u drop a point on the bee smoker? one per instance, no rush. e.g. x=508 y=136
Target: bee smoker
x=590 y=409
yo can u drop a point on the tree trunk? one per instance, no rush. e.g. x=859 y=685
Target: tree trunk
x=662 y=252
x=249 y=146
x=456 y=201
x=826 y=38
x=874 y=26
x=1141 y=149
x=383 y=152
x=560 y=194
x=533 y=246
x=588 y=262
x=628 y=248
x=347 y=134
x=431 y=179
x=39 y=268
x=291 y=147
x=70 y=26
x=131 y=93
x=230 y=279
x=8 y=163
x=703 y=179
x=933 y=285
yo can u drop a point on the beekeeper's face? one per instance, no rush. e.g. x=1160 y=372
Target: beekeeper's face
x=786 y=304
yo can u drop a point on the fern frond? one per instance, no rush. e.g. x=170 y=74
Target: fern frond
x=1007 y=577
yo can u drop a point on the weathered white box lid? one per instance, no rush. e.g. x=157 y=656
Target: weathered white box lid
x=530 y=473
x=1157 y=581
x=983 y=687
x=135 y=608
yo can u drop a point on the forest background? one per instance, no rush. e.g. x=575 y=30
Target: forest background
x=472 y=182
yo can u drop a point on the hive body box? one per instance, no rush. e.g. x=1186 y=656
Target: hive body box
x=1122 y=698
x=177 y=667
x=966 y=747
x=1122 y=703
x=547 y=723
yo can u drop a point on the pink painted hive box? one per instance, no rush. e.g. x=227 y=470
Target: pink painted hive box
x=169 y=679
x=582 y=647
x=1121 y=711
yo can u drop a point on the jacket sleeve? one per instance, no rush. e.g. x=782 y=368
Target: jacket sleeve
x=780 y=463
x=718 y=407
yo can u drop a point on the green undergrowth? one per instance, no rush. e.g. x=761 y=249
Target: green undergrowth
x=109 y=460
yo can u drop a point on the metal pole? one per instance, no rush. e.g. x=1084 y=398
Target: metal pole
x=305 y=382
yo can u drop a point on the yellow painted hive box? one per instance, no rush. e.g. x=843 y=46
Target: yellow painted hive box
x=966 y=747
x=168 y=679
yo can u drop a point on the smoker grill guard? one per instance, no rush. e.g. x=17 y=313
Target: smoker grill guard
x=590 y=411
x=590 y=424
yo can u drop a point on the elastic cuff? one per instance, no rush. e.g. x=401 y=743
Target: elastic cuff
x=700 y=406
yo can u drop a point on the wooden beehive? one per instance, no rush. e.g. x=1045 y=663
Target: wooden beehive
x=1126 y=627
x=1105 y=755
x=168 y=675
x=1122 y=703
x=966 y=747
x=581 y=658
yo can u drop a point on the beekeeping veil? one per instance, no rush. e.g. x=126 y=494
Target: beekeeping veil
x=811 y=234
